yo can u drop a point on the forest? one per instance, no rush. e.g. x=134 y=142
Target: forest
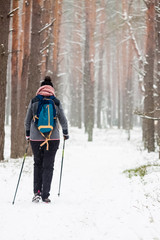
x=103 y=57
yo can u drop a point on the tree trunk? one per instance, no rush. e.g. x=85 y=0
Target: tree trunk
x=24 y=75
x=100 y=87
x=157 y=99
x=149 y=77
x=119 y=123
x=129 y=88
x=14 y=91
x=124 y=66
x=89 y=68
x=57 y=14
x=34 y=76
x=4 y=30
x=77 y=68
x=46 y=36
x=129 y=94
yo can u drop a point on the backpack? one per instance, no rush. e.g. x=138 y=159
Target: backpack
x=45 y=119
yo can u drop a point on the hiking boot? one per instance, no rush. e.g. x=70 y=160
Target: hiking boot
x=37 y=197
x=46 y=200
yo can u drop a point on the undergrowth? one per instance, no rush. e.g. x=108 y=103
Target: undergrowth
x=139 y=171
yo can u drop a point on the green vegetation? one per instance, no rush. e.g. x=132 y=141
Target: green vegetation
x=139 y=171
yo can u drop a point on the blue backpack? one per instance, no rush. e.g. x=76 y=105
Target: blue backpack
x=45 y=119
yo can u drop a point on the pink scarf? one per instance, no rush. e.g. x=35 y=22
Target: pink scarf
x=46 y=91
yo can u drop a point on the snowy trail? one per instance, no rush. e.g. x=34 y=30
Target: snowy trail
x=97 y=201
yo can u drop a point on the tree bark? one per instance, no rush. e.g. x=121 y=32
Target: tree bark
x=47 y=23
x=14 y=91
x=27 y=5
x=100 y=96
x=149 y=77
x=77 y=67
x=4 y=30
x=57 y=14
x=129 y=92
x=124 y=66
x=157 y=66
x=89 y=67
x=34 y=75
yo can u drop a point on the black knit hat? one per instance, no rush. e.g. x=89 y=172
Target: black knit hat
x=47 y=81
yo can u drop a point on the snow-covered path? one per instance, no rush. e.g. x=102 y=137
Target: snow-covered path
x=97 y=202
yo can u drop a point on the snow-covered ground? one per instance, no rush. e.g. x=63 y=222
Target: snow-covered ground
x=98 y=201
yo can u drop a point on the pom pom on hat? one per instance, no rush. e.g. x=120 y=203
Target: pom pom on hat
x=47 y=81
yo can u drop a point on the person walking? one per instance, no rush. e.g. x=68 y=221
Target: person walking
x=44 y=147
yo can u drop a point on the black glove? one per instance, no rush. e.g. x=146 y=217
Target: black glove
x=28 y=135
x=66 y=137
x=65 y=134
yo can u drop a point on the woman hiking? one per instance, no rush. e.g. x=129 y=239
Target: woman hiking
x=44 y=144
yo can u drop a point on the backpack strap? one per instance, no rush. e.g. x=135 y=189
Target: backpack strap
x=46 y=140
x=40 y=98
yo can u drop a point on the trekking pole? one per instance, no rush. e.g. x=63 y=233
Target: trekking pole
x=20 y=172
x=61 y=168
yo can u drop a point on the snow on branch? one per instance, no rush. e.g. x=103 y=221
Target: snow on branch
x=145 y=116
x=146 y=3
x=45 y=48
x=74 y=42
x=47 y=26
x=157 y=9
x=134 y=41
x=126 y=19
x=11 y=12
x=2 y=49
x=80 y=70
x=100 y=9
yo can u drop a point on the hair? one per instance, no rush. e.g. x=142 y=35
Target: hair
x=47 y=81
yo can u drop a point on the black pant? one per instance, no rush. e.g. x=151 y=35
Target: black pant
x=43 y=166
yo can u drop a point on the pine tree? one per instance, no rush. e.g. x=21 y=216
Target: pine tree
x=4 y=30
